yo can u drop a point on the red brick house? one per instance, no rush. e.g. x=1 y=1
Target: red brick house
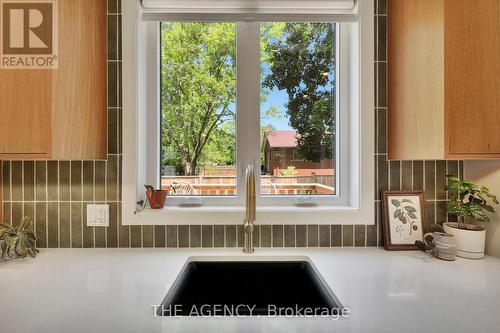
x=280 y=152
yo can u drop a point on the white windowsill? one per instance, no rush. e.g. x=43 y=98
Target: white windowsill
x=175 y=215
x=240 y=209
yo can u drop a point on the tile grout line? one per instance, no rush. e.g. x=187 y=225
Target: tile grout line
x=294 y=235
x=22 y=187
x=342 y=235
x=106 y=197
x=177 y=235
x=93 y=198
x=166 y=237
x=81 y=207
x=70 y=198
x=118 y=164
x=46 y=204
x=201 y=236
x=34 y=197
x=318 y=236
x=58 y=204
x=10 y=186
x=283 y=240
x=435 y=191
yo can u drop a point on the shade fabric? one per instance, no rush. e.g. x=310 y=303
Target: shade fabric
x=251 y=7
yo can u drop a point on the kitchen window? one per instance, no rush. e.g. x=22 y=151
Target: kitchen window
x=217 y=88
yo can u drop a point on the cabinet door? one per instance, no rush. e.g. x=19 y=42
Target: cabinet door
x=79 y=84
x=415 y=79
x=25 y=113
x=472 y=78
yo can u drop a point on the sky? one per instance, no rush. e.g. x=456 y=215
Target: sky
x=278 y=98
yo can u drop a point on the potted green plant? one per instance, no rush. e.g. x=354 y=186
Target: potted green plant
x=470 y=203
x=18 y=241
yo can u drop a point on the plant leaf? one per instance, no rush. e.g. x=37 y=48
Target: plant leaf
x=436 y=228
x=410 y=209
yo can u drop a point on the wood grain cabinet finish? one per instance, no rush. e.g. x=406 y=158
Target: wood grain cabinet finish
x=444 y=79
x=61 y=113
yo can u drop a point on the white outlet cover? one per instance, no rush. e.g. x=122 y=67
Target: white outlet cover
x=98 y=215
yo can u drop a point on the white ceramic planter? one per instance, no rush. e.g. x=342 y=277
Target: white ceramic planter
x=470 y=243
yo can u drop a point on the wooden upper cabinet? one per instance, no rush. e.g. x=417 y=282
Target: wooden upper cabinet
x=25 y=113
x=444 y=79
x=60 y=113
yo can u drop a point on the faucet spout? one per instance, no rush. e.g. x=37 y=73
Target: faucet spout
x=250 y=210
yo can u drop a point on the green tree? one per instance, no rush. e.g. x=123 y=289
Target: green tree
x=301 y=61
x=198 y=82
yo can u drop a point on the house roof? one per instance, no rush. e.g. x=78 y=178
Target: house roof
x=282 y=139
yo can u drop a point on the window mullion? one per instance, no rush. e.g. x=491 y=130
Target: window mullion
x=247 y=100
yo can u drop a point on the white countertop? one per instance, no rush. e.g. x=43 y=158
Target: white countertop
x=111 y=290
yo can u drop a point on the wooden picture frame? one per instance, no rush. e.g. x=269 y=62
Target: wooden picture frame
x=403 y=219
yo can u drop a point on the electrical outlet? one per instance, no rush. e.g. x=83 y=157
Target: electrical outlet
x=98 y=215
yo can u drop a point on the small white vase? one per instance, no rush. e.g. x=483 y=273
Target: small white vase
x=470 y=241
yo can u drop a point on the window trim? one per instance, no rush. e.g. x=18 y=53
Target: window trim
x=359 y=209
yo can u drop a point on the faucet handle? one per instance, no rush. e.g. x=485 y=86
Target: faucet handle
x=248 y=226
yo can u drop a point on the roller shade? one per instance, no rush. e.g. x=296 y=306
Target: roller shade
x=247 y=9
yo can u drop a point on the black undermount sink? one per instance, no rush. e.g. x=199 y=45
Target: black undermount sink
x=247 y=288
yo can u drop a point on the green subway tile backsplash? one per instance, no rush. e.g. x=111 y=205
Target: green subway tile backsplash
x=76 y=224
x=147 y=236
x=395 y=175
x=41 y=180
x=265 y=236
x=112 y=230
x=171 y=236
x=100 y=237
x=88 y=181
x=207 y=236
x=55 y=193
x=406 y=175
x=195 y=236
x=17 y=213
x=52 y=180
x=324 y=235
x=6 y=180
x=336 y=235
x=28 y=181
x=159 y=231
x=64 y=180
x=440 y=180
x=289 y=240
x=277 y=231
x=359 y=235
x=100 y=181
x=76 y=181
x=430 y=182
x=17 y=181
x=53 y=224
x=183 y=234
x=41 y=224
x=347 y=235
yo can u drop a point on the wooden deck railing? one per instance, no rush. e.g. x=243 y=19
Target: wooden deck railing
x=271 y=185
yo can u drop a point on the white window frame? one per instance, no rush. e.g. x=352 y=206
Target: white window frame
x=355 y=81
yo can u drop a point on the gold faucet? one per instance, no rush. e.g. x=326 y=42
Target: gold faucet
x=250 y=209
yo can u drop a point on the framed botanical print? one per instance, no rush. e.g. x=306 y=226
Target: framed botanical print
x=403 y=219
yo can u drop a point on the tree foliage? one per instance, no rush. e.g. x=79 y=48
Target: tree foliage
x=302 y=63
x=198 y=83
x=198 y=91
